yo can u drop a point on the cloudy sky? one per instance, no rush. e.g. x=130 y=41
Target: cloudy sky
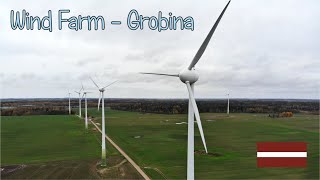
x=261 y=49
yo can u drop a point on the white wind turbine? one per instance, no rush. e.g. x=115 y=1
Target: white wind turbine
x=86 y=107
x=103 y=145
x=189 y=76
x=228 y=108
x=69 y=103
x=79 y=92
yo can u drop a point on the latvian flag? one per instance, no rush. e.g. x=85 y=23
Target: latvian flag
x=281 y=154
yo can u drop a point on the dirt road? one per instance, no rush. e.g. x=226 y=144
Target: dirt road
x=143 y=174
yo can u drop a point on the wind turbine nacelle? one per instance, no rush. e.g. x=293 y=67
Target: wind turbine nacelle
x=189 y=75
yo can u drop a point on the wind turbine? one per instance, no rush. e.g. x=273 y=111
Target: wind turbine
x=79 y=92
x=103 y=146
x=189 y=76
x=69 y=103
x=228 y=104
x=86 y=107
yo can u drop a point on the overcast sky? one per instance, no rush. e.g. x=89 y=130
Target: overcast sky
x=261 y=49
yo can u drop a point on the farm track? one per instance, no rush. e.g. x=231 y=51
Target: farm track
x=135 y=165
x=156 y=169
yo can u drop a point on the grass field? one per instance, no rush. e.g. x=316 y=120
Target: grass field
x=33 y=139
x=156 y=142
x=57 y=147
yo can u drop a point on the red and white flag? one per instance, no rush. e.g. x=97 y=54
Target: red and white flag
x=281 y=154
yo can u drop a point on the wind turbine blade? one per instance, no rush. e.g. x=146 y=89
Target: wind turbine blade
x=77 y=92
x=206 y=41
x=94 y=83
x=110 y=84
x=99 y=101
x=82 y=96
x=197 y=115
x=81 y=87
x=161 y=74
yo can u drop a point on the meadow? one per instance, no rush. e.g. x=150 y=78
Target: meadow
x=54 y=146
x=157 y=143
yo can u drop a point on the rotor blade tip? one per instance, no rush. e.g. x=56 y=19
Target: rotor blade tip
x=207 y=40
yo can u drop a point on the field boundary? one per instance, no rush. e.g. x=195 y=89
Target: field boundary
x=135 y=165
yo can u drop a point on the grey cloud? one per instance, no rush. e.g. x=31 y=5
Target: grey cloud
x=260 y=49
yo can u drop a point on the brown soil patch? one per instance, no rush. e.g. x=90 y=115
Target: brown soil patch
x=203 y=152
x=11 y=169
x=117 y=168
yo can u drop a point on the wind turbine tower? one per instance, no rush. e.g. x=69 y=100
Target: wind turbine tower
x=103 y=145
x=86 y=108
x=189 y=76
x=79 y=92
x=228 y=108
x=69 y=103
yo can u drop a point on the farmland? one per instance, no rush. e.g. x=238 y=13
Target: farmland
x=56 y=147
x=156 y=142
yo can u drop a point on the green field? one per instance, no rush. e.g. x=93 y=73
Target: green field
x=163 y=144
x=54 y=146
x=32 y=139
x=58 y=147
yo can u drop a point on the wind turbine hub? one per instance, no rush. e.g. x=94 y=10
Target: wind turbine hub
x=189 y=75
x=101 y=90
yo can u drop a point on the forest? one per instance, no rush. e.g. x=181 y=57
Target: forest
x=18 y=107
x=179 y=106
